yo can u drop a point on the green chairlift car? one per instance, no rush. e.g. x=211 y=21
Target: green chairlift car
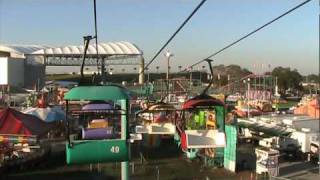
x=108 y=144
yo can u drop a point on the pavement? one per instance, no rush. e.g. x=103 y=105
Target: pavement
x=300 y=170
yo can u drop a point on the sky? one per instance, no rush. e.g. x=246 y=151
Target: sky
x=290 y=42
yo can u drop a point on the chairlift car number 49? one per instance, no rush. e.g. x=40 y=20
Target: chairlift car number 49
x=115 y=149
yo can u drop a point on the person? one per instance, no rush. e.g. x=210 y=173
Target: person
x=42 y=102
x=94 y=78
x=161 y=117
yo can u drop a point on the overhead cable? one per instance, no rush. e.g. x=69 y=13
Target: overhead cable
x=249 y=34
x=175 y=33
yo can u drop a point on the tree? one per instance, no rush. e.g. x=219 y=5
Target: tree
x=287 y=78
x=312 y=78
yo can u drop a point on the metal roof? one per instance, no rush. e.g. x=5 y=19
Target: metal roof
x=20 y=50
x=104 y=49
x=265 y=128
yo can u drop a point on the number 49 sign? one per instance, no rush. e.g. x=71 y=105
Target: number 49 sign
x=115 y=149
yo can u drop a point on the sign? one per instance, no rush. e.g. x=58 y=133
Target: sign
x=96 y=151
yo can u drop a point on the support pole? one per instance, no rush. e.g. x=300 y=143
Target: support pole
x=124 y=136
x=103 y=72
x=141 y=70
x=248 y=98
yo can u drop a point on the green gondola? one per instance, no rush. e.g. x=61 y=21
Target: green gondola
x=112 y=149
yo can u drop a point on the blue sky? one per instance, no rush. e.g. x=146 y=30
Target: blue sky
x=291 y=42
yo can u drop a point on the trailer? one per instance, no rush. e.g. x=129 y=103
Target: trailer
x=267 y=161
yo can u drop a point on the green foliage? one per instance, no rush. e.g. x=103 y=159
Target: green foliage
x=312 y=78
x=235 y=72
x=287 y=78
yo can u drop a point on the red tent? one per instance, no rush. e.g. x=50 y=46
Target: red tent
x=15 y=122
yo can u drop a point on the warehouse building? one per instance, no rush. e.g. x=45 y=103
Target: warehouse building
x=25 y=65
x=14 y=69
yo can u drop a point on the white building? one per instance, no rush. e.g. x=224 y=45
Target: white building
x=14 y=70
x=25 y=65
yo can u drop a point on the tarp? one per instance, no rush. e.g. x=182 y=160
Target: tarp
x=48 y=114
x=268 y=130
x=15 y=122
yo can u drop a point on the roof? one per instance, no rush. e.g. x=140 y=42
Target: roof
x=268 y=129
x=18 y=51
x=104 y=49
x=202 y=101
x=110 y=92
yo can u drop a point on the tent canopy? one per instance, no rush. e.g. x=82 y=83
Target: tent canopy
x=48 y=114
x=15 y=122
x=121 y=48
x=18 y=51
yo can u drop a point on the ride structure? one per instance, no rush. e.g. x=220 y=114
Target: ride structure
x=202 y=129
x=159 y=118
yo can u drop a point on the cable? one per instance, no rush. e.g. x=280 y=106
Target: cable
x=249 y=34
x=96 y=31
x=175 y=33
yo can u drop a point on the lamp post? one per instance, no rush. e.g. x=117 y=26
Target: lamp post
x=219 y=80
x=168 y=55
x=191 y=68
x=248 y=95
x=203 y=67
x=228 y=80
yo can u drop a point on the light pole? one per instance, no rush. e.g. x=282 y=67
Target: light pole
x=168 y=55
x=191 y=68
x=219 y=80
x=228 y=79
x=203 y=67
x=248 y=96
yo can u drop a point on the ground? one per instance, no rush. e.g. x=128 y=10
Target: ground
x=165 y=163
